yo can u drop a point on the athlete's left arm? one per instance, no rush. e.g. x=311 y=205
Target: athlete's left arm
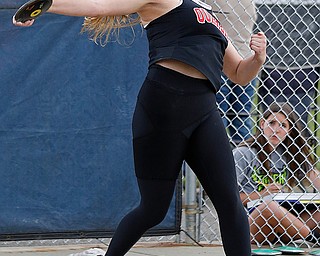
x=243 y=71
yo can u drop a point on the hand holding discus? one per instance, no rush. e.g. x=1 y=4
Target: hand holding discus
x=31 y=10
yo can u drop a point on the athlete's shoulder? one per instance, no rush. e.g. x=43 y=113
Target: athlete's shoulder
x=203 y=4
x=153 y=9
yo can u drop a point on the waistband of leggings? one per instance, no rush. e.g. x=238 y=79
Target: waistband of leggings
x=176 y=80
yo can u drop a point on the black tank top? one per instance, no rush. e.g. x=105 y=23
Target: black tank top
x=192 y=34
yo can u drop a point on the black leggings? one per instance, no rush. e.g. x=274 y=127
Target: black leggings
x=176 y=119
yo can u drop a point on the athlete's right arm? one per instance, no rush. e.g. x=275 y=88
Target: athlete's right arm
x=93 y=8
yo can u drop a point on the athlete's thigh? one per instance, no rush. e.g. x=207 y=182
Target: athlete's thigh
x=158 y=154
x=210 y=157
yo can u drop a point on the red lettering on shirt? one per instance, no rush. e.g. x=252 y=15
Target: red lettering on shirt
x=204 y=16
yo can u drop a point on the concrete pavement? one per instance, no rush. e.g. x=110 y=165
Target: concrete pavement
x=153 y=249
x=141 y=249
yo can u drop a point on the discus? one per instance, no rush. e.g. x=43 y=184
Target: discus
x=266 y=252
x=290 y=250
x=32 y=10
x=315 y=252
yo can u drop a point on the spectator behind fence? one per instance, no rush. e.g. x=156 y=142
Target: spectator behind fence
x=278 y=159
x=235 y=102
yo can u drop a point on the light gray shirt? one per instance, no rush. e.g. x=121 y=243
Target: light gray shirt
x=251 y=176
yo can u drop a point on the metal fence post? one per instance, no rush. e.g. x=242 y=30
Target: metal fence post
x=191 y=207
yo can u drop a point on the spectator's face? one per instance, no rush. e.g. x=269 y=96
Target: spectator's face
x=275 y=128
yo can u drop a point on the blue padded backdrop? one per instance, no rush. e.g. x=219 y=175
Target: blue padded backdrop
x=66 y=164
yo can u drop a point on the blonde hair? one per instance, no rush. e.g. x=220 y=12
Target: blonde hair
x=101 y=28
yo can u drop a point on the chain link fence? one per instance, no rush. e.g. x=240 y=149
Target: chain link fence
x=291 y=75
